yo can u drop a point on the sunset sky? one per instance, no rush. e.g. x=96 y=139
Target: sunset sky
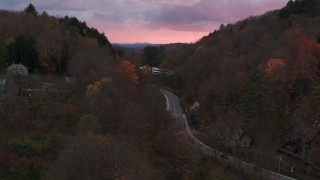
x=152 y=21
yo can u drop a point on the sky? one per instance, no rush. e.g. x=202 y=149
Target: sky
x=151 y=21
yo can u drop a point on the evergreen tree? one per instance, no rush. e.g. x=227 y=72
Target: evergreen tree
x=255 y=105
x=308 y=7
x=153 y=55
x=62 y=62
x=3 y=54
x=23 y=50
x=102 y=40
x=30 y=9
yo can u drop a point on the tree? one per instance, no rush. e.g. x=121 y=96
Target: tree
x=275 y=74
x=3 y=54
x=221 y=26
x=152 y=55
x=312 y=105
x=63 y=60
x=83 y=157
x=255 y=105
x=102 y=40
x=30 y=9
x=308 y=7
x=24 y=51
x=128 y=70
x=272 y=66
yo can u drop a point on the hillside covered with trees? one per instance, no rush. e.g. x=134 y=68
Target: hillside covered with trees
x=111 y=124
x=260 y=74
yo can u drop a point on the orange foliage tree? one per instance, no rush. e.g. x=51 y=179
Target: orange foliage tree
x=272 y=66
x=128 y=70
x=275 y=73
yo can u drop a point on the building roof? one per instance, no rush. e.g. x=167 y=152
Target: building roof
x=16 y=66
x=305 y=132
x=195 y=105
x=231 y=132
x=70 y=80
x=2 y=82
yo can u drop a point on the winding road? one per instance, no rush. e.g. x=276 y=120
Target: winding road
x=174 y=107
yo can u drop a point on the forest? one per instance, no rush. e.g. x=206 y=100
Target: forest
x=260 y=74
x=111 y=124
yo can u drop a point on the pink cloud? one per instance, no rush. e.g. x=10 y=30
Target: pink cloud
x=153 y=20
x=162 y=36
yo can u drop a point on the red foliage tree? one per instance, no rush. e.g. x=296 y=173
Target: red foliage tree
x=307 y=45
x=128 y=70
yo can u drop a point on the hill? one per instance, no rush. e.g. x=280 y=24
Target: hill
x=109 y=122
x=135 y=45
x=128 y=49
x=54 y=40
x=261 y=74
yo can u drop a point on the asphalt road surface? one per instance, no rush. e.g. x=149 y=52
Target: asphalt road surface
x=173 y=105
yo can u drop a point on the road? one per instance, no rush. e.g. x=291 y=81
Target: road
x=174 y=107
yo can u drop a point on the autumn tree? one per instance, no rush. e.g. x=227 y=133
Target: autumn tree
x=83 y=157
x=99 y=157
x=305 y=68
x=128 y=70
x=104 y=101
x=310 y=107
x=272 y=66
x=276 y=77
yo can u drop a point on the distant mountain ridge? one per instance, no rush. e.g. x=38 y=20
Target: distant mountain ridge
x=128 y=48
x=135 y=45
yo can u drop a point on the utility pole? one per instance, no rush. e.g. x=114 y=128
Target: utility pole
x=303 y=146
x=279 y=164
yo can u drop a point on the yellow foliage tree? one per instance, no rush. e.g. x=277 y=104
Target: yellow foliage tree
x=95 y=88
x=273 y=65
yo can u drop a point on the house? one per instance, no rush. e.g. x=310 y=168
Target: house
x=245 y=142
x=236 y=137
x=158 y=71
x=2 y=84
x=310 y=136
x=146 y=67
x=166 y=72
x=195 y=106
x=155 y=70
x=70 y=80
x=15 y=69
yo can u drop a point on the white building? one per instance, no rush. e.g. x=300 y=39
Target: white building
x=155 y=70
x=17 y=69
x=2 y=83
x=195 y=106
